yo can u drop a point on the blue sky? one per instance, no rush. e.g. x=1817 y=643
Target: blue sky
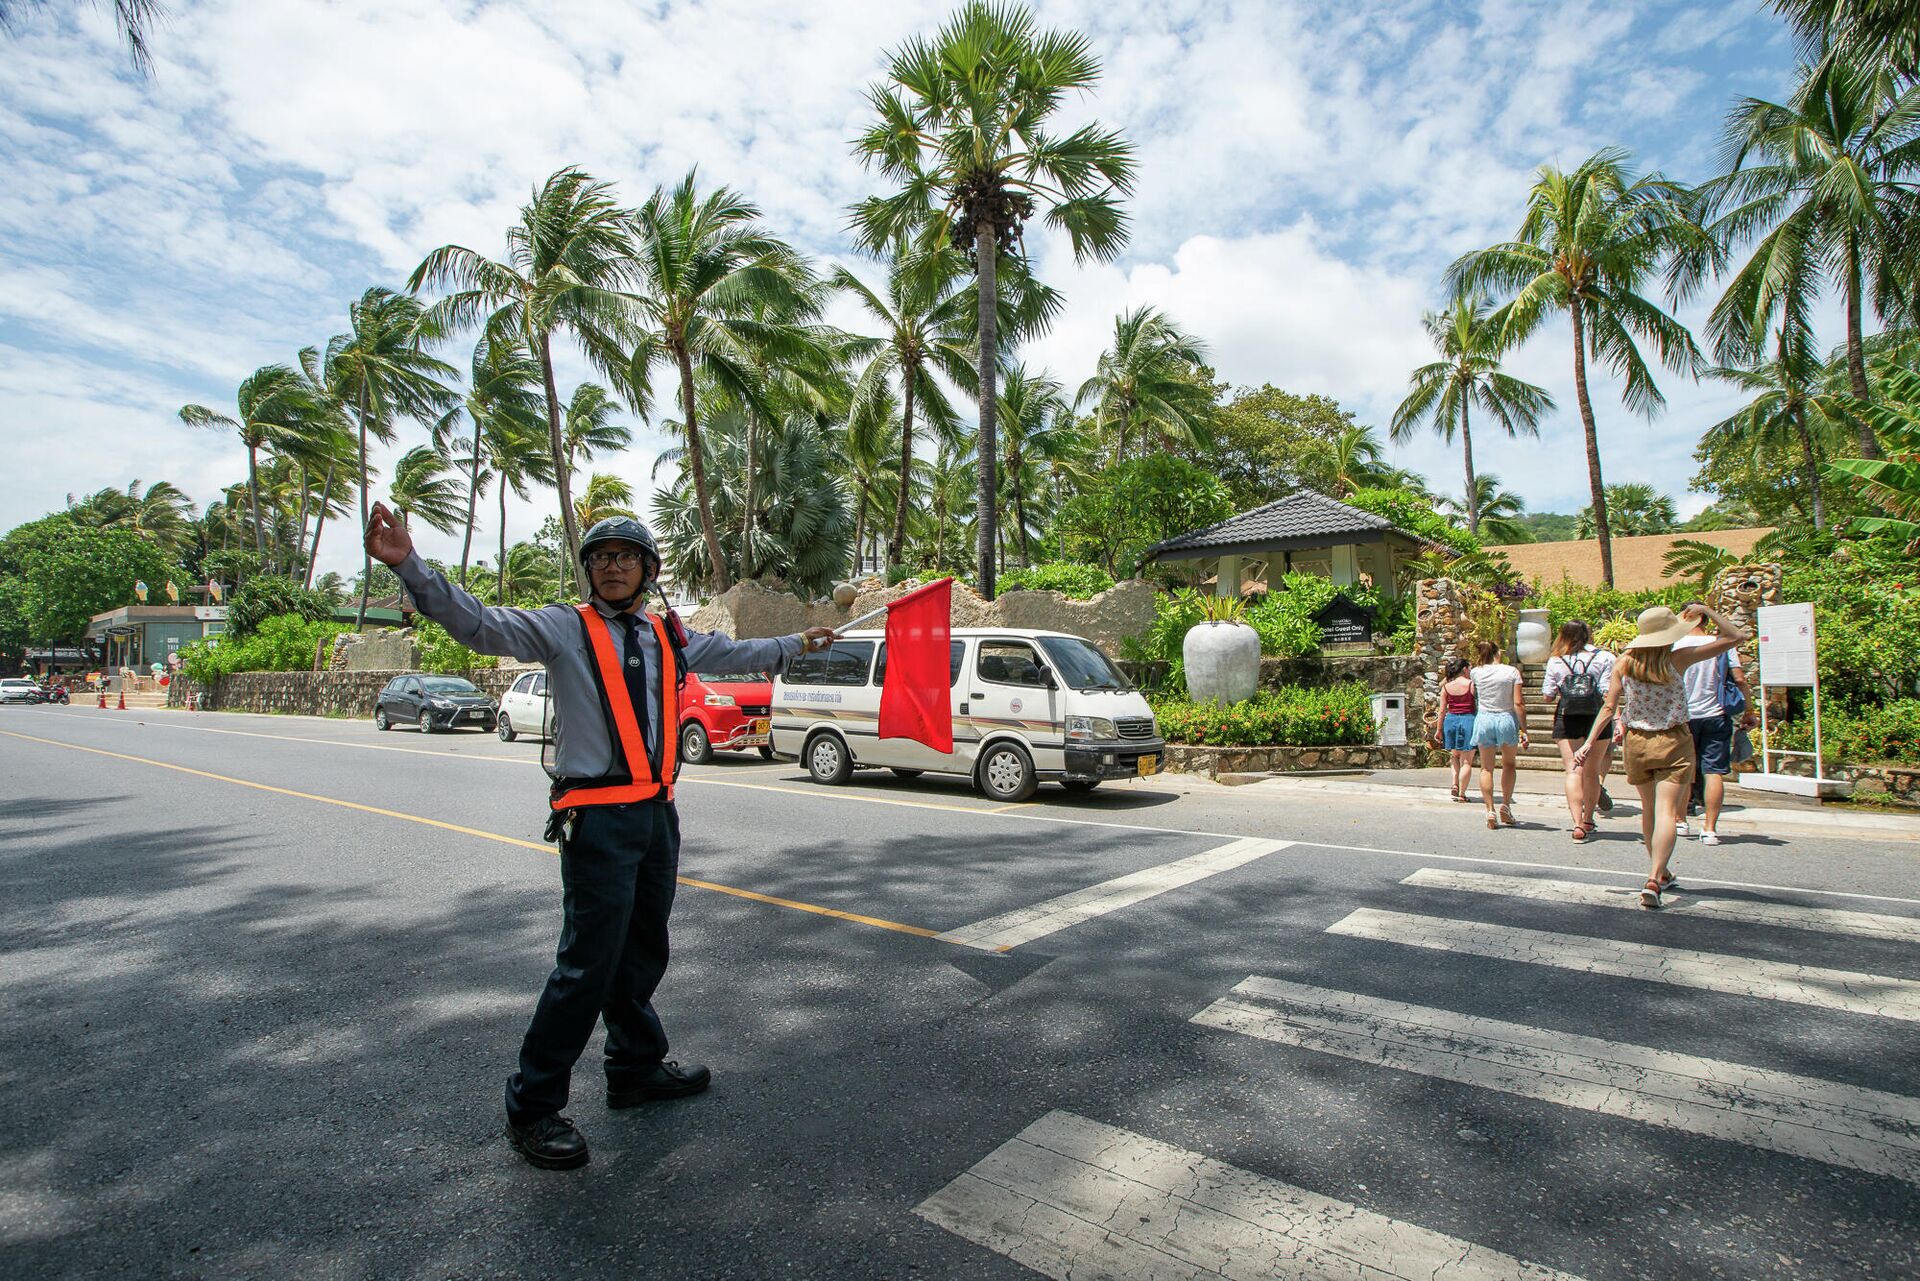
x=1306 y=173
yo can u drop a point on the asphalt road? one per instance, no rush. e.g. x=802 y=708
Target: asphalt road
x=261 y=980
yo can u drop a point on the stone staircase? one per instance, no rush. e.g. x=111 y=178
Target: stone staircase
x=1542 y=753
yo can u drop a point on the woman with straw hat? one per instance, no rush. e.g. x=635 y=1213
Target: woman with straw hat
x=1647 y=700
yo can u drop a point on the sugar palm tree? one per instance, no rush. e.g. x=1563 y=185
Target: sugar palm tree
x=563 y=273
x=1636 y=509
x=160 y=512
x=381 y=371
x=1147 y=384
x=421 y=489
x=962 y=129
x=134 y=18
x=1442 y=395
x=1589 y=243
x=715 y=295
x=1499 y=510
x=1817 y=184
x=270 y=405
x=1790 y=403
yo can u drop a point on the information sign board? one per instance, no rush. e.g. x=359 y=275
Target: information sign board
x=1786 y=644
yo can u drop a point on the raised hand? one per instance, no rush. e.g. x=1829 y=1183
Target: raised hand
x=387 y=539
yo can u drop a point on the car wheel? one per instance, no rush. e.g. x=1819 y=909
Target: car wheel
x=426 y=721
x=380 y=720
x=766 y=752
x=1006 y=773
x=828 y=761
x=695 y=747
x=906 y=773
x=504 y=728
x=1080 y=784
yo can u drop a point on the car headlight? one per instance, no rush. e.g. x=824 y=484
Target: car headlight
x=1090 y=729
x=719 y=700
x=440 y=704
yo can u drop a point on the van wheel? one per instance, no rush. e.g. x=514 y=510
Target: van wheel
x=1080 y=784
x=1006 y=773
x=906 y=773
x=505 y=728
x=766 y=752
x=695 y=747
x=828 y=761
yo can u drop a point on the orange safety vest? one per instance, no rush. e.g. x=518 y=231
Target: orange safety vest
x=638 y=781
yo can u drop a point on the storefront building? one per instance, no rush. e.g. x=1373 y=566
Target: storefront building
x=138 y=636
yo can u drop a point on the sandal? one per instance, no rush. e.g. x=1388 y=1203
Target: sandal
x=1579 y=835
x=1650 y=895
x=1506 y=816
x=1669 y=882
x=1493 y=824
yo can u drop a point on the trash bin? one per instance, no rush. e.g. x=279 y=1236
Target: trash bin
x=1390 y=720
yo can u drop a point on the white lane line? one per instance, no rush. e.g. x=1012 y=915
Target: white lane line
x=1801 y=1116
x=1825 y=920
x=1069 y=1197
x=1023 y=925
x=1848 y=990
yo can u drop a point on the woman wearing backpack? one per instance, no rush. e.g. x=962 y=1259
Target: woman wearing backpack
x=1650 y=698
x=1578 y=674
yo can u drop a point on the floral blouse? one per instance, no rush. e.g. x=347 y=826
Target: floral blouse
x=1646 y=705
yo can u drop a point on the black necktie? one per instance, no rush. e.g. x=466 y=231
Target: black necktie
x=636 y=674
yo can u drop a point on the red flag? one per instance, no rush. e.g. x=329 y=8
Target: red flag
x=914 y=693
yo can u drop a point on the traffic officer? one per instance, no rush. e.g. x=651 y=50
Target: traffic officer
x=613 y=671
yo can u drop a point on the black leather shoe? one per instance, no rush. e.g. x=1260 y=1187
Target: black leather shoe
x=668 y=1081
x=550 y=1142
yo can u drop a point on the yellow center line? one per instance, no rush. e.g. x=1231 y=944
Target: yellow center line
x=796 y=905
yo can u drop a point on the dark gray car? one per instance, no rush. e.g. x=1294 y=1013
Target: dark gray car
x=434 y=703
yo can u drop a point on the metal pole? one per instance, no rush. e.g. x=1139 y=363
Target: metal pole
x=1766 y=739
x=1819 y=768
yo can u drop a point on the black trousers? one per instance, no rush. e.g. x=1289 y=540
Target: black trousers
x=617 y=870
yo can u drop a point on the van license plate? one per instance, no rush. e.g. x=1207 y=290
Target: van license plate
x=761 y=724
x=1148 y=765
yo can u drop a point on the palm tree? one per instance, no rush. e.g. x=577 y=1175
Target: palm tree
x=1635 y=510
x=1820 y=180
x=1357 y=461
x=603 y=496
x=1696 y=559
x=160 y=512
x=526 y=572
x=715 y=296
x=962 y=129
x=272 y=403
x=564 y=269
x=588 y=428
x=422 y=488
x=952 y=492
x=381 y=372
x=1043 y=451
x=1148 y=382
x=1789 y=403
x=1588 y=244
x=1891 y=483
x=510 y=448
x=133 y=17
x=1499 y=510
x=924 y=329
x=321 y=443
x=1874 y=30
x=1442 y=395
x=503 y=385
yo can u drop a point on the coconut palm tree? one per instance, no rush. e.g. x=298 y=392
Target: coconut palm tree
x=588 y=428
x=422 y=488
x=504 y=383
x=1590 y=241
x=160 y=512
x=272 y=403
x=1891 y=483
x=715 y=296
x=1357 y=461
x=527 y=572
x=563 y=273
x=134 y=18
x=952 y=492
x=1817 y=184
x=1043 y=452
x=962 y=129
x=321 y=443
x=1635 y=509
x=1868 y=30
x=1442 y=395
x=1790 y=403
x=1500 y=510
x=381 y=372
x=604 y=495
x=1148 y=384
x=511 y=448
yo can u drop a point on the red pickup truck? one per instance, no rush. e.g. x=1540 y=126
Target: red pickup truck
x=725 y=714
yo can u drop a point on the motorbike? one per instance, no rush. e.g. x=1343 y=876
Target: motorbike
x=52 y=692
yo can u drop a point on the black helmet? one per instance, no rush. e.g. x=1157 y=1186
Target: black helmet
x=620 y=529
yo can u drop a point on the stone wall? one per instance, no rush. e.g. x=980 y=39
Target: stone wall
x=334 y=693
x=1897 y=784
x=1215 y=761
x=377 y=651
x=1441 y=631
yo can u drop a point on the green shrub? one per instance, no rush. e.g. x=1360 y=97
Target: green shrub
x=1567 y=600
x=1866 y=607
x=1339 y=716
x=440 y=652
x=1284 y=619
x=1073 y=579
x=1888 y=733
x=265 y=596
x=282 y=643
x=1415 y=514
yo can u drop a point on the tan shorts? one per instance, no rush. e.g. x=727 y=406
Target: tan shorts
x=1660 y=756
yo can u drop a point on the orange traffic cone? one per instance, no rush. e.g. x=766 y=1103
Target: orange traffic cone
x=103 y=698
x=123 y=698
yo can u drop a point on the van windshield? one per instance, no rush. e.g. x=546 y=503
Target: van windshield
x=1081 y=664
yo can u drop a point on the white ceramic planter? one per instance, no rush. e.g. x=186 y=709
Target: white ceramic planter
x=1222 y=661
x=1533 y=638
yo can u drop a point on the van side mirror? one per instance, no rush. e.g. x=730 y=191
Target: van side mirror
x=1048 y=679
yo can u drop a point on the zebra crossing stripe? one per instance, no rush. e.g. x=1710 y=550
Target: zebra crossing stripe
x=1847 y=990
x=1023 y=925
x=1069 y=1197
x=1825 y=920
x=1801 y=1116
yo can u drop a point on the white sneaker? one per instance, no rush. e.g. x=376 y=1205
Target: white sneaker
x=1681 y=829
x=1709 y=837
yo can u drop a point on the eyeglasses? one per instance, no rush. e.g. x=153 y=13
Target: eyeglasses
x=611 y=560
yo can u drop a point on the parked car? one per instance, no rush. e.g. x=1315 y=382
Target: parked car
x=1028 y=707
x=725 y=714
x=433 y=703
x=18 y=689
x=526 y=709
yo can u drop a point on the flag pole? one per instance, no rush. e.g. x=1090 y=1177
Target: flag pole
x=852 y=623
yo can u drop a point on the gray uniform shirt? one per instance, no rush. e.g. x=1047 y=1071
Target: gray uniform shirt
x=552 y=636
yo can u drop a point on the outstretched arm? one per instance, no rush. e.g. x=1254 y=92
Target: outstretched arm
x=714 y=652
x=528 y=634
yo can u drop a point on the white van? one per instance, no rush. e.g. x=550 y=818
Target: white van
x=1028 y=707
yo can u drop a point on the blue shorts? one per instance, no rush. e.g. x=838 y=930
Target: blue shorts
x=1495 y=729
x=1456 y=732
x=1713 y=744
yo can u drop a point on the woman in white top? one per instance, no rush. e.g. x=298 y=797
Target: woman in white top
x=1576 y=685
x=1647 y=697
x=1499 y=726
